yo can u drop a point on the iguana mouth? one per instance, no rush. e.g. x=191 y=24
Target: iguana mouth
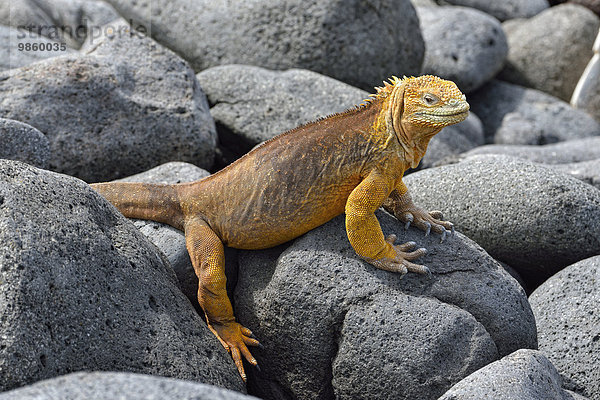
x=445 y=116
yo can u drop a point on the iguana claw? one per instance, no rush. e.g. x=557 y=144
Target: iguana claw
x=408 y=218
x=443 y=236
x=426 y=221
x=401 y=263
x=235 y=338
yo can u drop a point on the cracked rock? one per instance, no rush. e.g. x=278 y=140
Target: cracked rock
x=81 y=289
x=335 y=326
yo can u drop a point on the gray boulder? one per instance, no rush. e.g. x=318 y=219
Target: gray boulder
x=119 y=385
x=507 y=9
x=454 y=140
x=334 y=326
x=123 y=107
x=352 y=41
x=65 y=21
x=550 y=51
x=464 y=45
x=84 y=290
x=512 y=114
x=593 y=5
x=566 y=311
x=253 y=104
x=22 y=142
x=522 y=375
x=587 y=171
x=533 y=218
x=570 y=151
x=12 y=57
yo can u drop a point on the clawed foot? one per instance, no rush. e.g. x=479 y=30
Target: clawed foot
x=401 y=263
x=426 y=221
x=235 y=338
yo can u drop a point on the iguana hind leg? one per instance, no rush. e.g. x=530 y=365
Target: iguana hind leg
x=207 y=255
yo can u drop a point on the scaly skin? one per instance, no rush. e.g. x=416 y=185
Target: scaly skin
x=349 y=162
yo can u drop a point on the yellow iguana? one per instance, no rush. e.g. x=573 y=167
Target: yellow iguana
x=351 y=162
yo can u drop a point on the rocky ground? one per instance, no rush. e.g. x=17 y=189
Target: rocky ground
x=93 y=305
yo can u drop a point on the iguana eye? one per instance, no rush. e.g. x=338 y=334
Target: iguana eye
x=430 y=99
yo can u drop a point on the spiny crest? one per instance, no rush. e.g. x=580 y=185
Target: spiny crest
x=384 y=91
x=445 y=89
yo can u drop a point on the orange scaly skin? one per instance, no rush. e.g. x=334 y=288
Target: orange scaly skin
x=349 y=162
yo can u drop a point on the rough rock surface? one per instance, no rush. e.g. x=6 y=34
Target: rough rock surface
x=333 y=325
x=533 y=218
x=22 y=142
x=12 y=57
x=123 y=107
x=550 y=51
x=350 y=40
x=522 y=375
x=66 y=21
x=253 y=104
x=512 y=114
x=587 y=171
x=454 y=140
x=507 y=9
x=82 y=289
x=464 y=45
x=115 y=385
x=570 y=151
x=169 y=240
x=566 y=311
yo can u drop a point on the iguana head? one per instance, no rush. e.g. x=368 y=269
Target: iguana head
x=417 y=108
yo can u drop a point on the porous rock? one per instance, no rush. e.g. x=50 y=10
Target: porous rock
x=253 y=104
x=333 y=325
x=22 y=142
x=82 y=289
x=507 y=9
x=550 y=51
x=522 y=375
x=463 y=45
x=533 y=218
x=12 y=57
x=119 y=385
x=352 y=41
x=121 y=108
x=586 y=171
x=512 y=114
x=65 y=21
x=566 y=311
x=570 y=151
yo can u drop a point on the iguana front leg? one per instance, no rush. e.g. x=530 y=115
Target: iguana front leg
x=207 y=255
x=401 y=205
x=364 y=231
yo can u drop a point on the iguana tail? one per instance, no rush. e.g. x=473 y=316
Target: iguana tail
x=156 y=202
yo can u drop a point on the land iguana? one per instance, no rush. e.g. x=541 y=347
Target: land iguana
x=351 y=162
